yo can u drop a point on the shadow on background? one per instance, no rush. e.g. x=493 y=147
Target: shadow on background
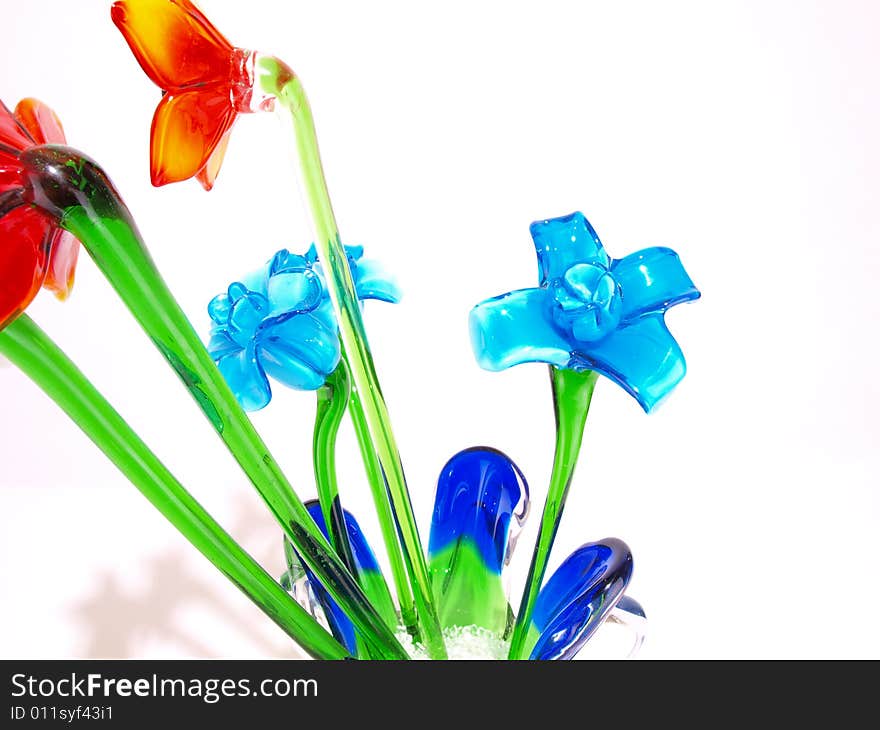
x=117 y=622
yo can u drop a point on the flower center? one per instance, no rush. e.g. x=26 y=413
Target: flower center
x=587 y=302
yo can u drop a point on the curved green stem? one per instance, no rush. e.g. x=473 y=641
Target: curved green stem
x=277 y=79
x=332 y=399
x=379 y=491
x=74 y=190
x=30 y=349
x=572 y=393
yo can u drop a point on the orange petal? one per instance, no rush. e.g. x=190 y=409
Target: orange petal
x=173 y=42
x=40 y=121
x=187 y=128
x=62 y=264
x=13 y=136
x=25 y=238
x=208 y=174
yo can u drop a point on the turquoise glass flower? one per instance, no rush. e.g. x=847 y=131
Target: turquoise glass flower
x=278 y=321
x=481 y=503
x=590 y=312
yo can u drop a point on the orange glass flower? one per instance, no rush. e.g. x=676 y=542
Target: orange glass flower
x=34 y=251
x=206 y=83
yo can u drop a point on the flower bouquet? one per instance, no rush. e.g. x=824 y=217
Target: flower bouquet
x=298 y=321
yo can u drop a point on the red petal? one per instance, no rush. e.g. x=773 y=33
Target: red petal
x=173 y=42
x=187 y=129
x=12 y=135
x=62 y=264
x=25 y=237
x=208 y=174
x=40 y=121
x=10 y=174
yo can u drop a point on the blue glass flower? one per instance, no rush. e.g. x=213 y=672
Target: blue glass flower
x=481 y=503
x=590 y=312
x=278 y=321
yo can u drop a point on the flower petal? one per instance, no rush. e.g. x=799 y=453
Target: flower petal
x=578 y=597
x=562 y=242
x=652 y=281
x=208 y=174
x=513 y=329
x=246 y=378
x=299 y=352
x=187 y=129
x=291 y=292
x=374 y=282
x=220 y=343
x=40 y=121
x=369 y=578
x=62 y=264
x=25 y=241
x=175 y=44
x=480 y=492
x=13 y=137
x=643 y=358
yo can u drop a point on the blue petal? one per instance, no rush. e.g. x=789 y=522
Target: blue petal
x=299 y=352
x=291 y=292
x=257 y=280
x=562 y=242
x=513 y=329
x=652 y=281
x=643 y=358
x=479 y=493
x=247 y=313
x=284 y=262
x=374 y=282
x=579 y=596
x=218 y=308
x=365 y=562
x=221 y=344
x=246 y=378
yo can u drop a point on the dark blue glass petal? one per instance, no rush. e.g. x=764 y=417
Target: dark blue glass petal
x=579 y=596
x=563 y=242
x=365 y=561
x=652 y=281
x=478 y=492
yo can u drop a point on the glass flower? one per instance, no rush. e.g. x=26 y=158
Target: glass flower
x=481 y=503
x=34 y=251
x=590 y=312
x=206 y=84
x=278 y=321
x=313 y=595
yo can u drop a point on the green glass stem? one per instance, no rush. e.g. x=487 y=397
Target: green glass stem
x=78 y=194
x=572 y=393
x=332 y=400
x=379 y=491
x=276 y=79
x=31 y=350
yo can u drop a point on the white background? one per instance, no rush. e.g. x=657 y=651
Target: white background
x=744 y=135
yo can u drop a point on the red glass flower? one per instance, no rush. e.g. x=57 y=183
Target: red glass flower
x=34 y=251
x=206 y=83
